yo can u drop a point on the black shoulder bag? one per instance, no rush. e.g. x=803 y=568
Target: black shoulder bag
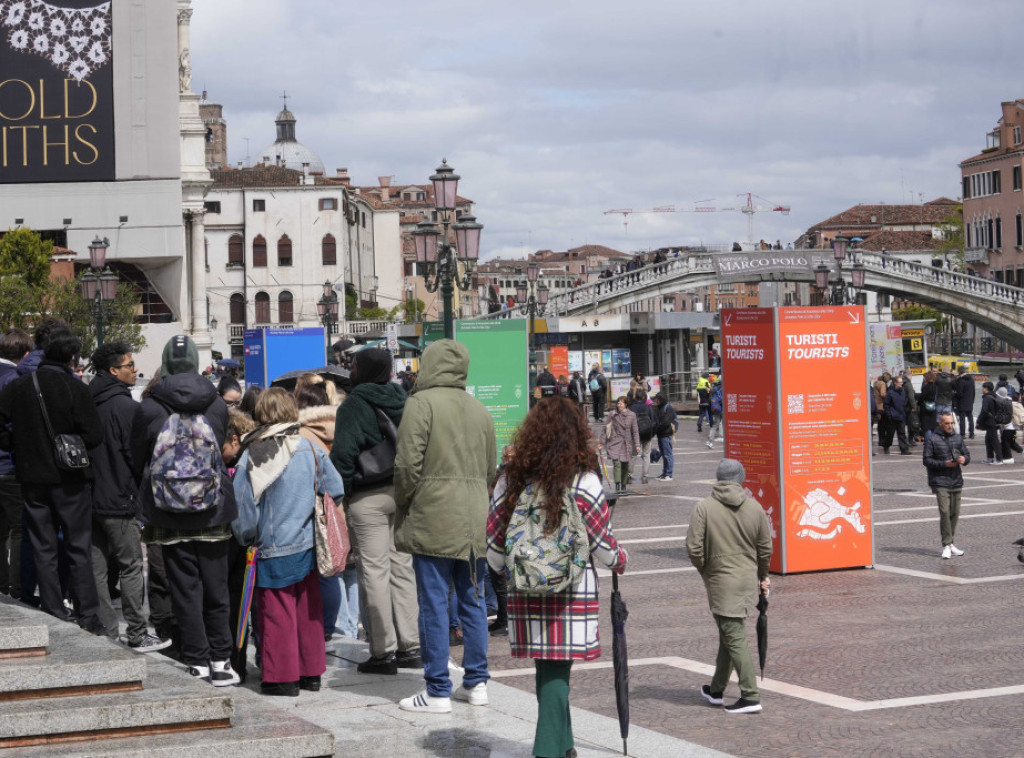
x=376 y=465
x=69 y=451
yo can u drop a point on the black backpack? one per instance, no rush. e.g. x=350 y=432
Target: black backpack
x=1004 y=411
x=645 y=424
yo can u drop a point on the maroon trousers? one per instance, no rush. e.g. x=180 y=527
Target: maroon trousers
x=292 y=629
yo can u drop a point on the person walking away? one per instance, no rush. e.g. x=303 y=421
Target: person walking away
x=645 y=427
x=987 y=421
x=896 y=411
x=1007 y=430
x=638 y=382
x=559 y=628
x=115 y=498
x=667 y=425
x=926 y=402
x=446 y=457
x=192 y=543
x=1005 y=382
x=717 y=411
x=276 y=485
x=15 y=344
x=387 y=580
x=598 y=385
x=943 y=392
x=55 y=498
x=963 y=402
x=913 y=418
x=730 y=545
x=620 y=439
x=547 y=383
x=703 y=401
x=878 y=391
x=578 y=392
x=945 y=455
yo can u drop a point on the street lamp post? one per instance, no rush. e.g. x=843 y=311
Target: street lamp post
x=98 y=284
x=327 y=307
x=440 y=259
x=838 y=293
x=535 y=299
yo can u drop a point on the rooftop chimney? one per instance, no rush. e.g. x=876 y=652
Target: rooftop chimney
x=385 y=183
x=342 y=175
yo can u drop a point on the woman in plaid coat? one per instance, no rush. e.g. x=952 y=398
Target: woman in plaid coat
x=552 y=447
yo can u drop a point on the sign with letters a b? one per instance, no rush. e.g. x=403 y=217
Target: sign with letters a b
x=56 y=91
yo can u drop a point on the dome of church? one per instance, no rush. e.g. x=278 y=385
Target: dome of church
x=288 y=151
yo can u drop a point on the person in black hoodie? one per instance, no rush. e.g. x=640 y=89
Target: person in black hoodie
x=194 y=545
x=387 y=582
x=53 y=497
x=963 y=402
x=115 y=497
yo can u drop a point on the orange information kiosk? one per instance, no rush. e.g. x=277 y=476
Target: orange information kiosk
x=797 y=416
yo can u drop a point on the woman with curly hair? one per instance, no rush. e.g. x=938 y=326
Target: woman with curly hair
x=554 y=453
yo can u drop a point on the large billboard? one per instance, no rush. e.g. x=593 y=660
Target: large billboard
x=56 y=91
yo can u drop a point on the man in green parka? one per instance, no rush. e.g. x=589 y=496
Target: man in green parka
x=730 y=545
x=446 y=456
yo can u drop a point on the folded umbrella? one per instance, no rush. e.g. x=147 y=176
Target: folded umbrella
x=620 y=659
x=248 y=587
x=762 y=630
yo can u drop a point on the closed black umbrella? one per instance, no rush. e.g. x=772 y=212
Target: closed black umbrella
x=620 y=656
x=762 y=630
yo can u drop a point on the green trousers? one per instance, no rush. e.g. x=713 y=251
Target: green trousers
x=620 y=471
x=949 y=513
x=734 y=652
x=553 y=738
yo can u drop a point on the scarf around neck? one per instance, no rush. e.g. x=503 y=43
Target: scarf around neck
x=270 y=450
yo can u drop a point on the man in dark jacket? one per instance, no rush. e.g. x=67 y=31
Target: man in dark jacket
x=665 y=429
x=896 y=410
x=547 y=383
x=913 y=416
x=963 y=401
x=578 y=391
x=987 y=422
x=943 y=392
x=14 y=346
x=944 y=455
x=645 y=425
x=598 y=390
x=194 y=546
x=115 y=497
x=54 y=498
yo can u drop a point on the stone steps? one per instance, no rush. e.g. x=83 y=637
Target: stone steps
x=64 y=692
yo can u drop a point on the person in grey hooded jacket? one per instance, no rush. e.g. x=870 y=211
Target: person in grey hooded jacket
x=730 y=545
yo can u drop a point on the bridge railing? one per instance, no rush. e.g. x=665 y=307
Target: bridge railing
x=952 y=280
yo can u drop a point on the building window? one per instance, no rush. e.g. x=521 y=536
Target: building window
x=1016 y=177
x=999 y=233
x=990 y=235
x=262 y=308
x=329 y=250
x=285 y=313
x=1020 y=231
x=258 y=206
x=236 y=250
x=237 y=309
x=284 y=251
x=967 y=187
x=363 y=217
x=328 y=204
x=212 y=206
x=259 y=252
x=1016 y=135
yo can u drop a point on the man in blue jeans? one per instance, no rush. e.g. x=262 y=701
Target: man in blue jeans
x=445 y=457
x=665 y=426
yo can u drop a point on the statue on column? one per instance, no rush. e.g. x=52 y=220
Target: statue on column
x=184 y=72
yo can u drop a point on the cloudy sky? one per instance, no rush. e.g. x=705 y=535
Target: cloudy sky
x=553 y=112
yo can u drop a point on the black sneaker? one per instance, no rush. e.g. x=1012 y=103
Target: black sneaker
x=409 y=659
x=309 y=683
x=454 y=637
x=498 y=628
x=383 y=665
x=744 y=706
x=283 y=689
x=715 y=698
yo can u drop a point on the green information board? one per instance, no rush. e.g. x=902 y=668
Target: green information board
x=498 y=375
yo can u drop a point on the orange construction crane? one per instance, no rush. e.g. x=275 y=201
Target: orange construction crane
x=749 y=210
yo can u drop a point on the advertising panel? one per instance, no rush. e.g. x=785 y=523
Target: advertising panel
x=825 y=430
x=751 y=408
x=576 y=361
x=498 y=370
x=885 y=349
x=254 y=363
x=56 y=92
x=558 y=360
x=590 y=357
x=621 y=362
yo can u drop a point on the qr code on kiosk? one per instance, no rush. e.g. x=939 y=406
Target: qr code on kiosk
x=795 y=403
x=731 y=403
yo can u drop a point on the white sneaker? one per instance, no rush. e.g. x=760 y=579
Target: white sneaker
x=424 y=703
x=222 y=675
x=710 y=444
x=200 y=672
x=946 y=552
x=955 y=550
x=473 y=695
x=1008 y=461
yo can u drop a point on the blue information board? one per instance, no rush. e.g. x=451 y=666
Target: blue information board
x=255 y=358
x=269 y=353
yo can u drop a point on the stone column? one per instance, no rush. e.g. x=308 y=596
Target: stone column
x=197 y=245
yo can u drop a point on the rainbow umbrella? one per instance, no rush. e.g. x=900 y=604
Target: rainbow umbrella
x=248 y=586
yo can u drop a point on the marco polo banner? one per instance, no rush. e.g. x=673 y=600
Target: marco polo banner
x=743 y=266
x=56 y=92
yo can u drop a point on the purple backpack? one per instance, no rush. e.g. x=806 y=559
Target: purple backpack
x=186 y=465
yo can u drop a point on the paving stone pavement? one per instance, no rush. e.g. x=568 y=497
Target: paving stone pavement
x=916 y=626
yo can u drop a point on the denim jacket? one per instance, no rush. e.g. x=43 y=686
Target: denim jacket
x=281 y=523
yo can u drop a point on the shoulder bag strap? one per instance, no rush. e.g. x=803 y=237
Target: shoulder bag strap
x=42 y=405
x=385 y=425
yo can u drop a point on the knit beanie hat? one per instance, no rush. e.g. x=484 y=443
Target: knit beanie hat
x=180 y=357
x=1002 y=392
x=372 y=366
x=730 y=470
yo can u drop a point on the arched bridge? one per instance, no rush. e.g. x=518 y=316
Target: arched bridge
x=995 y=307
